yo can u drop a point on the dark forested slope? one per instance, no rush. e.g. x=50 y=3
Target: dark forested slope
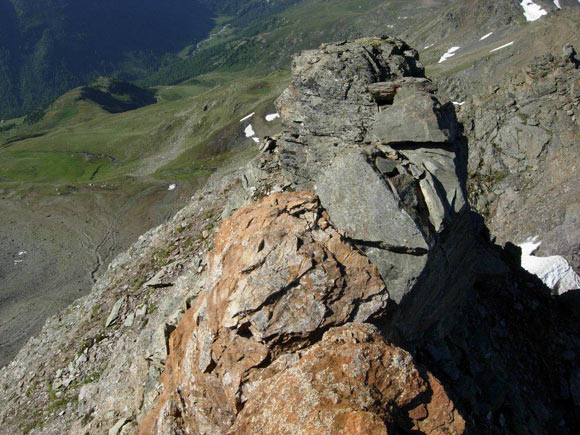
x=50 y=46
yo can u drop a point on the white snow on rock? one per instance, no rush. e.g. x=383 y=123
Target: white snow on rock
x=21 y=253
x=249 y=131
x=247 y=117
x=255 y=139
x=486 y=36
x=429 y=46
x=272 y=116
x=458 y=103
x=554 y=271
x=557 y=3
x=450 y=53
x=503 y=46
x=532 y=11
x=172 y=187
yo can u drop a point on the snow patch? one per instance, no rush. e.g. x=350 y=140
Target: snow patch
x=247 y=117
x=429 y=46
x=249 y=131
x=557 y=3
x=255 y=139
x=21 y=254
x=532 y=11
x=486 y=36
x=272 y=116
x=450 y=53
x=459 y=104
x=172 y=187
x=554 y=271
x=503 y=46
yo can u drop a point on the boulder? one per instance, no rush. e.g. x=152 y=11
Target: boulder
x=351 y=382
x=280 y=275
x=414 y=116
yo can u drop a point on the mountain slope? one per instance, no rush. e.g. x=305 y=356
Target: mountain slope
x=76 y=159
x=77 y=147
x=267 y=39
x=256 y=324
x=489 y=40
x=80 y=160
x=48 y=47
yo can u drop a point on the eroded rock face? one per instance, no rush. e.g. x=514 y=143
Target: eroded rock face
x=280 y=275
x=363 y=129
x=351 y=382
x=523 y=156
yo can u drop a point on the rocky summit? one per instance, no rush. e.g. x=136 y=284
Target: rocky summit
x=340 y=283
x=390 y=174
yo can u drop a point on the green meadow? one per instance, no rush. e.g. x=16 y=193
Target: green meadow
x=77 y=142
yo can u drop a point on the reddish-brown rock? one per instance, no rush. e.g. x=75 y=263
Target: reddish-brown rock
x=351 y=382
x=280 y=275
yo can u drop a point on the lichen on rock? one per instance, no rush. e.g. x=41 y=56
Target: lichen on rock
x=280 y=278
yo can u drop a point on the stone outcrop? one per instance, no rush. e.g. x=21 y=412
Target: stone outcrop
x=280 y=276
x=364 y=130
x=387 y=240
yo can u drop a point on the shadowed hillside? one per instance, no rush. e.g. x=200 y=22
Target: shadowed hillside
x=48 y=47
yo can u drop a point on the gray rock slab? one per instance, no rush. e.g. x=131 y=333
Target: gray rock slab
x=113 y=316
x=362 y=205
x=411 y=118
x=386 y=166
x=399 y=271
x=441 y=187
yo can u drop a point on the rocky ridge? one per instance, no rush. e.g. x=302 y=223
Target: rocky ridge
x=379 y=232
x=391 y=187
x=249 y=356
x=495 y=392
